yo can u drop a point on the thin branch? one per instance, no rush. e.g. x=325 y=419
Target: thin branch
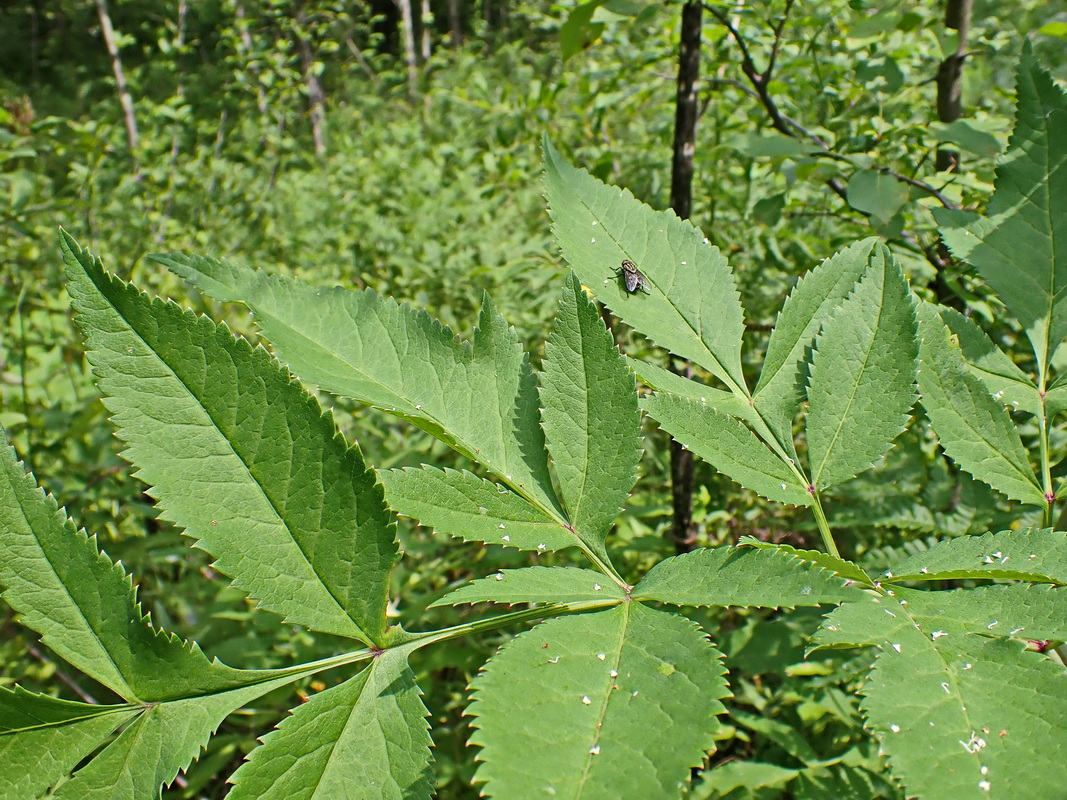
x=778 y=29
x=63 y=676
x=787 y=122
x=125 y=99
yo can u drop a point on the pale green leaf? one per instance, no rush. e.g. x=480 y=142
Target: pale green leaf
x=84 y=606
x=723 y=779
x=1016 y=610
x=616 y=704
x=846 y=569
x=690 y=304
x=663 y=380
x=729 y=446
x=783 y=380
x=163 y=739
x=959 y=714
x=590 y=416
x=365 y=738
x=974 y=429
x=479 y=398
x=1031 y=554
x=742 y=576
x=43 y=738
x=472 y=508
x=862 y=381
x=240 y=456
x=578 y=31
x=876 y=193
x=1056 y=402
x=537 y=585
x=1018 y=246
x=1008 y=384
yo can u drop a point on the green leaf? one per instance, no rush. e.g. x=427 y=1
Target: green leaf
x=975 y=431
x=480 y=399
x=240 y=456
x=472 y=508
x=591 y=419
x=1017 y=247
x=537 y=585
x=84 y=606
x=43 y=738
x=1032 y=554
x=1018 y=610
x=783 y=381
x=727 y=445
x=614 y=704
x=770 y=145
x=1008 y=384
x=365 y=738
x=724 y=778
x=876 y=193
x=578 y=31
x=735 y=576
x=958 y=714
x=691 y=307
x=663 y=380
x=862 y=382
x=162 y=740
x=966 y=134
x=844 y=568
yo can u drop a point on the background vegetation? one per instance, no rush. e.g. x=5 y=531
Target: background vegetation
x=337 y=143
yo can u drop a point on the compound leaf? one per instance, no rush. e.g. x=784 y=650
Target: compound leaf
x=537 y=585
x=956 y=711
x=365 y=738
x=975 y=431
x=690 y=303
x=742 y=576
x=43 y=738
x=1031 y=554
x=617 y=704
x=1008 y=384
x=461 y=504
x=783 y=381
x=163 y=739
x=479 y=398
x=862 y=381
x=240 y=456
x=1018 y=246
x=591 y=419
x=728 y=445
x=84 y=606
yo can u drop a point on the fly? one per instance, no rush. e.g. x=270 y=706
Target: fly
x=631 y=276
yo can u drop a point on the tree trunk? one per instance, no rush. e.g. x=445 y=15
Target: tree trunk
x=410 y=58
x=426 y=24
x=455 y=23
x=316 y=97
x=950 y=79
x=120 y=77
x=686 y=112
x=246 y=41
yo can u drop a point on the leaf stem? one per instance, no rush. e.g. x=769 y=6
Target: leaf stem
x=824 y=526
x=1046 y=467
x=492 y=623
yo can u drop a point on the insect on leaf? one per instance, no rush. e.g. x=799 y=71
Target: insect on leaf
x=631 y=276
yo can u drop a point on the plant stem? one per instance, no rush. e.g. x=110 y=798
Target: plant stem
x=1046 y=467
x=492 y=623
x=824 y=526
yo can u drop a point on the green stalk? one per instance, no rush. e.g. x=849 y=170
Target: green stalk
x=824 y=526
x=1046 y=466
